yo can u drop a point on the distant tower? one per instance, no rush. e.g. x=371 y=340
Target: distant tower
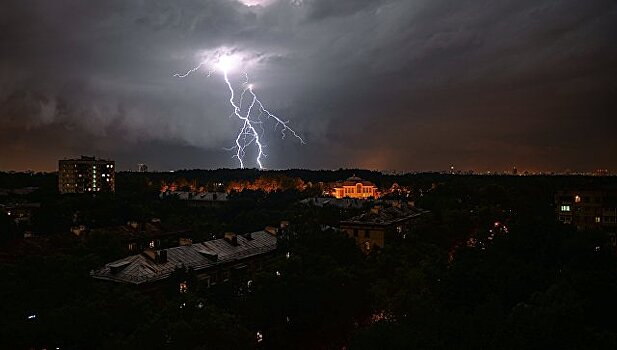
x=514 y=171
x=142 y=168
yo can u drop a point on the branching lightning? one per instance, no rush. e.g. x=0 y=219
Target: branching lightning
x=252 y=118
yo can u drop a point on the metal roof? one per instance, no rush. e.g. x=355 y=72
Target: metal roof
x=385 y=216
x=197 y=196
x=335 y=202
x=138 y=269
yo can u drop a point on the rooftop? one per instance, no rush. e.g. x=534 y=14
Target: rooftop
x=335 y=202
x=86 y=159
x=138 y=269
x=137 y=230
x=352 y=181
x=386 y=216
x=197 y=196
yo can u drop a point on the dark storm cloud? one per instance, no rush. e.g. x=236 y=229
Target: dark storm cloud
x=381 y=84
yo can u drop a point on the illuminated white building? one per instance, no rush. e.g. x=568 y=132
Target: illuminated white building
x=355 y=187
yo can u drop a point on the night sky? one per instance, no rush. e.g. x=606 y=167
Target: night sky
x=402 y=84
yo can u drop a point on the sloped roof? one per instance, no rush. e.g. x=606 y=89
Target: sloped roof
x=354 y=180
x=335 y=202
x=386 y=216
x=197 y=196
x=146 y=230
x=138 y=269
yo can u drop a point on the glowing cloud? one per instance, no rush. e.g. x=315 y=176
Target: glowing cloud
x=253 y=116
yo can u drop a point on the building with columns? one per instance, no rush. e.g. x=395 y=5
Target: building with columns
x=355 y=187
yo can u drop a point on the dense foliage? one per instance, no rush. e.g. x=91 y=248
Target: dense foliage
x=534 y=284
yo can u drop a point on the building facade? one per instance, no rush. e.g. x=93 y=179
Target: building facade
x=588 y=209
x=380 y=225
x=86 y=175
x=355 y=187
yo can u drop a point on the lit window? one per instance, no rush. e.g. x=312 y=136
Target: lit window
x=597 y=219
x=577 y=199
x=565 y=208
x=184 y=287
x=151 y=244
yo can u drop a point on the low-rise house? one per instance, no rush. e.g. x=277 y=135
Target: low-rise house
x=380 y=225
x=231 y=258
x=197 y=199
x=344 y=203
x=136 y=236
x=20 y=213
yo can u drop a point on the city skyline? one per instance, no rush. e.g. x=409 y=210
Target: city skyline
x=393 y=84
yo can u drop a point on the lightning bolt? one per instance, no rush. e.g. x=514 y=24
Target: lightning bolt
x=251 y=118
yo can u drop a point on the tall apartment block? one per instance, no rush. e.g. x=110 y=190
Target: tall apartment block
x=86 y=175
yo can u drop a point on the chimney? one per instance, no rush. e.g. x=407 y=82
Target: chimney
x=151 y=254
x=158 y=256
x=232 y=238
x=185 y=241
x=271 y=230
x=133 y=224
x=162 y=256
x=118 y=266
x=203 y=250
x=78 y=230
